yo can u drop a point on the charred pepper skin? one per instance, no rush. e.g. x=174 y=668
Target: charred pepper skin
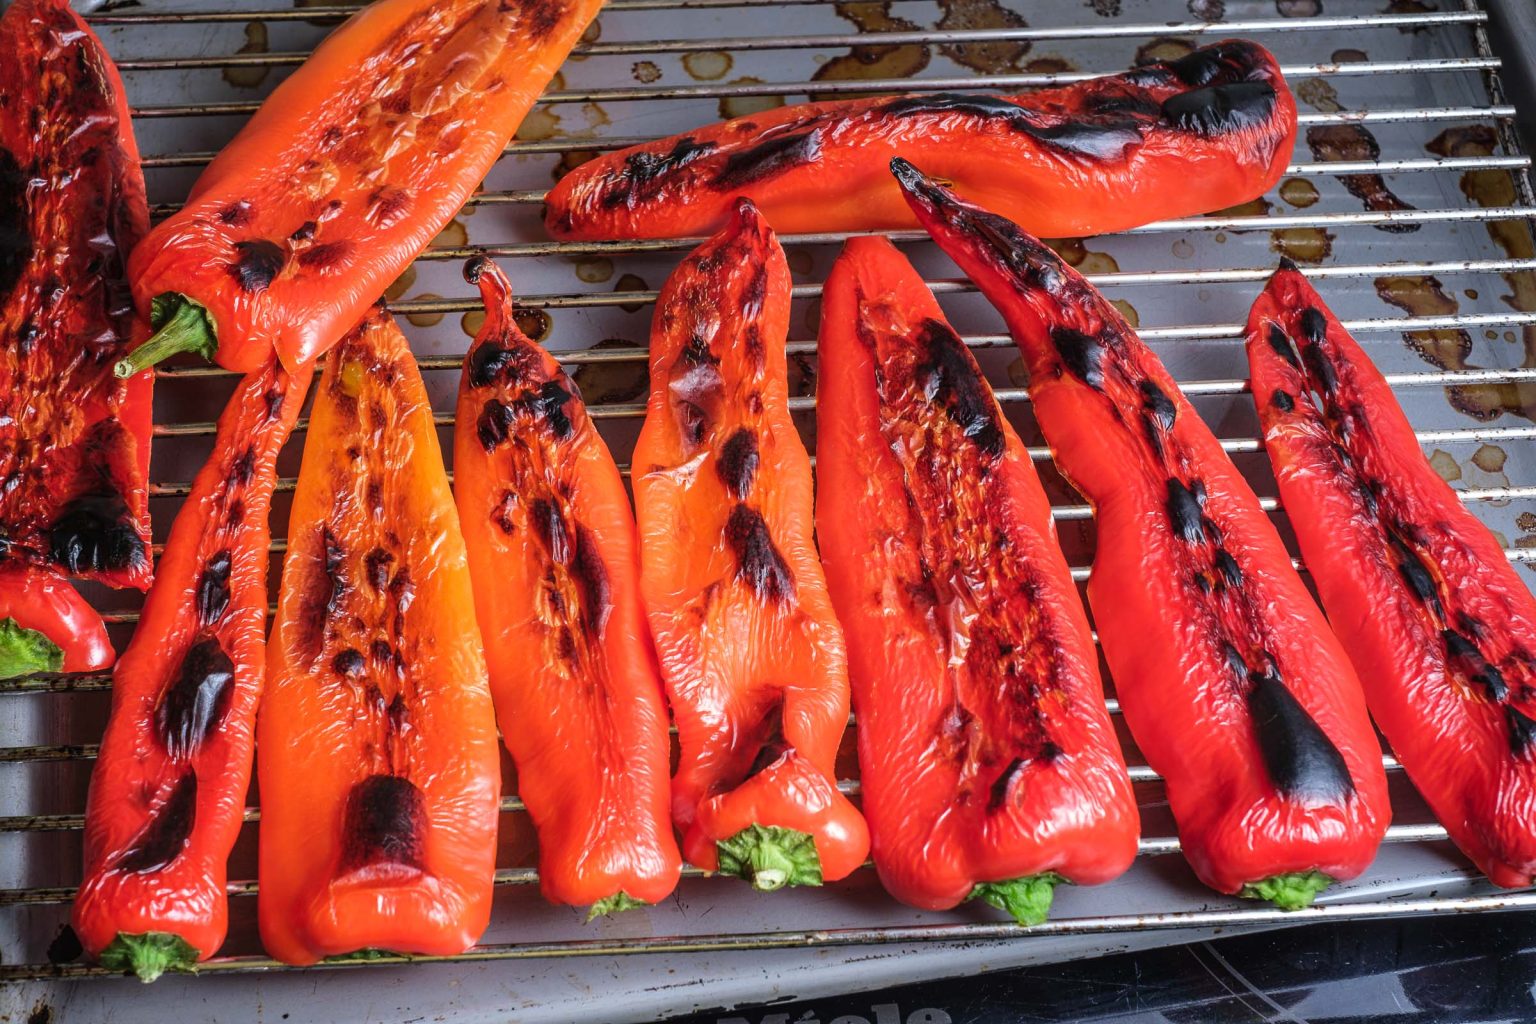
x=379 y=769
x=748 y=642
x=346 y=173
x=987 y=758
x=74 y=440
x=1441 y=629
x=168 y=791
x=557 y=586
x=1207 y=131
x=1229 y=678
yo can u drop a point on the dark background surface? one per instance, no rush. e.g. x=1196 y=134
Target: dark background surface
x=1447 y=970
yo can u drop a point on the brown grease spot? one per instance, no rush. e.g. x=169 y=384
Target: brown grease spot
x=1304 y=245
x=401 y=284
x=249 y=77
x=874 y=61
x=1490 y=458
x=1163 y=48
x=630 y=283
x=539 y=124
x=1299 y=192
x=594 y=269
x=646 y=72
x=605 y=383
x=472 y=321
x=1299 y=8
x=454 y=235
x=707 y=65
x=424 y=318
x=1446 y=465
x=988 y=58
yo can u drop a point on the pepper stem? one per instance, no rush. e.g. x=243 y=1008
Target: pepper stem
x=1027 y=899
x=149 y=955
x=24 y=651
x=615 y=904
x=181 y=325
x=770 y=857
x=366 y=953
x=1288 y=892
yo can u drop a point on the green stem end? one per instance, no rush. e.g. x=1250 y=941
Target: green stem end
x=149 y=955
x=24 y=651
x=366 y=953
x=1288 y=892
x=615 y=904
x=181 y=325
x=1027 y=900
x=770 y=857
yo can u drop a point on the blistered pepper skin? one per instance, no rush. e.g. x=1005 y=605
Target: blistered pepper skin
x=1207 y=131
x=350 y=168
x=1440 y=627
x=749 y=646
x=379 y=769
x=985 y=750
x=168 y=791
x=74 y=440
x=557 y=585
x=37 y=600
x=1229 y=678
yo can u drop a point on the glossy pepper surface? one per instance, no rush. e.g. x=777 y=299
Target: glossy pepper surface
x=380 y=775
x=1201 y=133
x=74 y=440
x=348 y=170
x=749 y=646
x=1229 y=678
x=988 y=765
x=46 y=626
x=557 y=586
x=168 y=792
x=1440 y=627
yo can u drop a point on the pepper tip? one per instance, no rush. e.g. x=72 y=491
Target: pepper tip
x=475 y=267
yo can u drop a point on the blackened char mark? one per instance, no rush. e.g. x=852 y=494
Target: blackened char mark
x=1233 y=61
x=168 y=830
x=1157 y=406
x=1320 y=369
x=541 y=17
x=591 y=574
x=1314 y=326
x=758 y=561
x=768 y=737
x=548 y=405
x=1280 y=342
x=15 y=228
x=1522 y=731
x=768 y=158
x=1415 y=573
x=496 y=419
x=643 y=174
x=213 y=589
x=1105 y=138
x=1299 y=757
x=323 y=587
x=491 y=362
x=193 y=705
x=1083 y=355
x=1000 y=786
x=1355 y=143
x=549 y=524
x=325 y=255
x=950 y=379
x=1185 y=513
x=737 y=462
x=1464 y=657
x=95 y=533
x=1102 y=137
x=1282 y=400
x=257 y=263
x=384 y=821
x=1221 y=109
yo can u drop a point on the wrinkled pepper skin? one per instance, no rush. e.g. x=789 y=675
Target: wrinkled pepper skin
x=379 y=770
x=1201 y=133
x=987 y=759
x=46 y=626
x=1228 y=676
x=345 y=174
x=168 y=792
x=1441 y=629
x=749 y=645
x=74 y=440
x=557 y=587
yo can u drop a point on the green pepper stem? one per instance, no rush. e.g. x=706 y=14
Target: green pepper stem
x=24 y=651
x=1288 y=892
x=770 y=857
x=181 y=325
x=1027 y=899
x=615 y=904
x=149 y=955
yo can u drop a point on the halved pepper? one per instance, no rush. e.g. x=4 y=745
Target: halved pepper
x=168 y=791
x=987 y=762
x=1204 y=132
x=557 y=586
x=749 y=645
x=346 y=173
x=1229 y=678
x=74 y=440
x=380 y=775
x=1441 y=629
x=46 y=626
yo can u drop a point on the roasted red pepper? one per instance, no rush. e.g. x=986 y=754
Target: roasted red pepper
x=748 y=642
x=379 y=769
x=74 y=440
x=168 y=791
x=988 y=765
x=1200 y=133
x=345 y=174
x=1441 y=630
x=557 y=587
x=1227 y=674
x=46 y=626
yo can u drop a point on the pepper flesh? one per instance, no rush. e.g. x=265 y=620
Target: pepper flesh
x=74 y=440
x=749 y=645
x=344 y=175
x=379 y=770
x=168 y=791
x=1230 y=681
x=557 y=586
x=1204 y=132
x=1442 y=631
x=986 y=754
x=46 y=626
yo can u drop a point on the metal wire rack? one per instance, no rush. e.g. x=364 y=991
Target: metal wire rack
x=1409 y=97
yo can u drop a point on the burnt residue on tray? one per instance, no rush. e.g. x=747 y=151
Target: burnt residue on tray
x=1333 y=143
